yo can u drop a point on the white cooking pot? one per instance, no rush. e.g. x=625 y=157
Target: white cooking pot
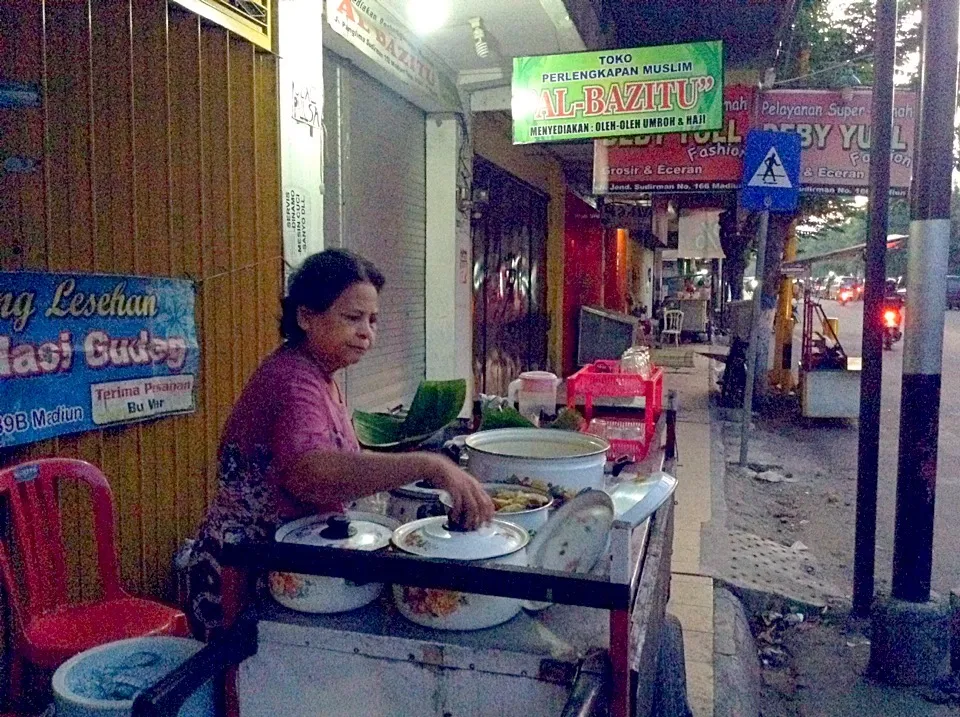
x=561 y=462
x=415 y=502
x=320 y=594
x=496 y=542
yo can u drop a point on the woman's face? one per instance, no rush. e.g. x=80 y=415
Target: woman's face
x=341 y=335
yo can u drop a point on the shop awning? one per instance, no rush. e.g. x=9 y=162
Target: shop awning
x=894 y=241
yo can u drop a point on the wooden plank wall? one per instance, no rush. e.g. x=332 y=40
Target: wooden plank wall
x=159 y=147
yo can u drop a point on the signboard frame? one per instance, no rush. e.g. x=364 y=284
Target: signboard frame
x=79 y=352
x=767 y=152
x=646 y=90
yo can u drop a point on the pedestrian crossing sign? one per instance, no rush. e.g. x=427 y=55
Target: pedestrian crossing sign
x=771 y=171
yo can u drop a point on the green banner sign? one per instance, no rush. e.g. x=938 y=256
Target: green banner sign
x=616 y=93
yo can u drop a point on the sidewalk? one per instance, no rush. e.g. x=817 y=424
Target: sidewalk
x=691 y=598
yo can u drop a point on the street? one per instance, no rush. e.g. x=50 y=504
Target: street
x=843 y=449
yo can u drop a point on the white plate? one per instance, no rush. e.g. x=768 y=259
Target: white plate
x=574 y=539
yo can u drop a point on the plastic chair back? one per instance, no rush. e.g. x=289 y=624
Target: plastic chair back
x=31 y=492
x=673 y=321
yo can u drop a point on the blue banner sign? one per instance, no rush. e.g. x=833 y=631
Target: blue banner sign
x=84 y=351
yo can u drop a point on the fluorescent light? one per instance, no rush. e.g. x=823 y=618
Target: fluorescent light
x=425 y=16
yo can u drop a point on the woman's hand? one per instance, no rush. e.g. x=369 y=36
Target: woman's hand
x=471 y=504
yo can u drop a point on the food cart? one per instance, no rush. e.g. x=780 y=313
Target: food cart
x=593 y=651
x=829 y=379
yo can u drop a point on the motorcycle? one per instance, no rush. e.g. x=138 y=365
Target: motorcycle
x=892 y=318
x=845 y=296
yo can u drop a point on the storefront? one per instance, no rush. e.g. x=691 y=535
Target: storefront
x=151 y=150
x=375 y=199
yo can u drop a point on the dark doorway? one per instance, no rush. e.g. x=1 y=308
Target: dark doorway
x=510 y=318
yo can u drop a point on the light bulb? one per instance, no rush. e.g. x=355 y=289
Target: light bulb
x=425 y=16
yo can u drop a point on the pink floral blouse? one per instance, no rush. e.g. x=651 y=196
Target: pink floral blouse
x=289 y=407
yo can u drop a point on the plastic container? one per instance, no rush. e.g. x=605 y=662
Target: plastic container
x=608 y=379
x=535 y=394
x=103 y=681
x=627 y=437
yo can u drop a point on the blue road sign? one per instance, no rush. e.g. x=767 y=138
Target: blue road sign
x=771 y=171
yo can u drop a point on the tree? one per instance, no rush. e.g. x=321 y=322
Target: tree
x=820 y=50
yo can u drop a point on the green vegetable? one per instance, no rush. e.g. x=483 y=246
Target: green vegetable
x=436 y=405
x=569 y=420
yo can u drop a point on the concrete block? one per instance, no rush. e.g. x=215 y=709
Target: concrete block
x=910 y=642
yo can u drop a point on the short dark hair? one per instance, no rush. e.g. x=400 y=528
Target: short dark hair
x=319 y=281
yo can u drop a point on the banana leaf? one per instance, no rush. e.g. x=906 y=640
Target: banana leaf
x=503 y=418
x=436 y=405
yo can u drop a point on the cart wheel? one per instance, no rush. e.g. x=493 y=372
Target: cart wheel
x=670 y=692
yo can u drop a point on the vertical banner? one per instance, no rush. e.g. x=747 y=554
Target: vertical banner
x=83 y=351
x=699 y=234
x=301 y=132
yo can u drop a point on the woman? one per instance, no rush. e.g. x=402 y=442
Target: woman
x=289 y=448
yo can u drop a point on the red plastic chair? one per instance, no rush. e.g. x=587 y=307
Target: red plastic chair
x=48 y=630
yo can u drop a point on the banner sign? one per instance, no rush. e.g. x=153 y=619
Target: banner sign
x=835 y=137
x=373 y=30
x=684 y=161
x=647 y=90
x=83 y=351
x=699 y=234
x=619 y=215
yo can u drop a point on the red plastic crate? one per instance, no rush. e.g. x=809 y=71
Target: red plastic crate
x=604 y=378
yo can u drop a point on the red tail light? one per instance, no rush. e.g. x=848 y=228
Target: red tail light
x=891 y=318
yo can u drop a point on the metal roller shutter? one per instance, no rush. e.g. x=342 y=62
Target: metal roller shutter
x=382 y=143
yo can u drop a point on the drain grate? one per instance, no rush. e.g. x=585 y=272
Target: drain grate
x=767 y=566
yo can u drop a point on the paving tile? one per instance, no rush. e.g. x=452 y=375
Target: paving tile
x=689 y=590
x=693 y=617
x=685 y=564
x=690 y=514
x=687 y=538
x=698 y=646
x=700 y=688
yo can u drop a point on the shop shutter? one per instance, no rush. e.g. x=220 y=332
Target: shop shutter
x=381 y=190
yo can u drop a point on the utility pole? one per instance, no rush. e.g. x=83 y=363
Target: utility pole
x=871 y=376
x=910 y=642
x=926 y=299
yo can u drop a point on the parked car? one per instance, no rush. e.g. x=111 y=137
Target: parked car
x=953 y=292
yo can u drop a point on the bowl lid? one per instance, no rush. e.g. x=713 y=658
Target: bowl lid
x=537 y=443
x=434 y=538
x=352 y=531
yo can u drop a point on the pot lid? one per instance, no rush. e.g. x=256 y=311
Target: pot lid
x=351 y=531
x=537 y=443
x=575 y=538
x=420 y=490
x=433 y=538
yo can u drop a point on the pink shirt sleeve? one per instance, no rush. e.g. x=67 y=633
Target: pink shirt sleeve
x=308 y=417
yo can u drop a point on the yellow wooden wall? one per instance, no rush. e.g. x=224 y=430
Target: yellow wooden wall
x=159 y=146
